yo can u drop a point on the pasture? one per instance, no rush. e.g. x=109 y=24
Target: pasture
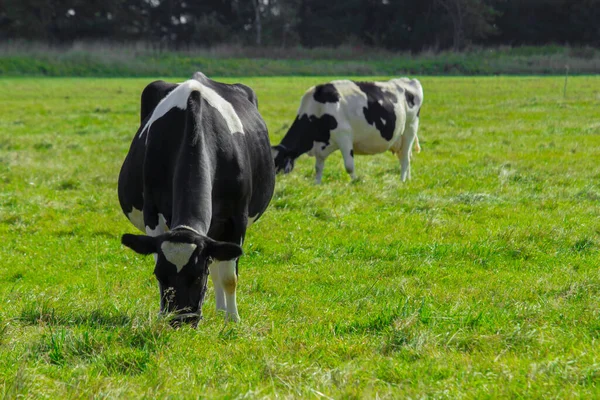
x=477 y=279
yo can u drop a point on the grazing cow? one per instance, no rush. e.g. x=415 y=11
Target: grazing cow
x=199 y=171
x=357 y=118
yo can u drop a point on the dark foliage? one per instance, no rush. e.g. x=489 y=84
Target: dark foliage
x=393 y=24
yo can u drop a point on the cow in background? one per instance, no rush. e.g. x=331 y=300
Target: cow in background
x=356 y=118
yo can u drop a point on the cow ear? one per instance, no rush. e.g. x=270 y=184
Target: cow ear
x=141 y=244
x=224 y=251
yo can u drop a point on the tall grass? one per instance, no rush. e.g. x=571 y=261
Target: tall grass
x=139 y=59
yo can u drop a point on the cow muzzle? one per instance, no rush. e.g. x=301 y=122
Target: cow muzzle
x=184 y=306
x=185 y=318
x=286 y=165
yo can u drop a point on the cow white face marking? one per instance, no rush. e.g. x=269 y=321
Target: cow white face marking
x=178 y=97
x=178 y=253
x=137 y=218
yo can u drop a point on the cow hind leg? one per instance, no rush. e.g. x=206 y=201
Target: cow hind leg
x=417 y=145
x=215 y=276
x=408 y=138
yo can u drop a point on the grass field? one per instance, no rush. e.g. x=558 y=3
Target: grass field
x=477 y=279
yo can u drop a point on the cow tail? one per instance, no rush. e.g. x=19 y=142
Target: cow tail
x=193 y=110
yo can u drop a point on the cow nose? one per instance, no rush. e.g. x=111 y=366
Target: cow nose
x=186 y=318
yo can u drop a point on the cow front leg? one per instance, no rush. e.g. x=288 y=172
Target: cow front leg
x=347 y=150
x=215 y=276
x=319 y=166
x=228 y=275
x=321 y=151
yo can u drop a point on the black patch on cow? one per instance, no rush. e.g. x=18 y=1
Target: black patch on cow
x=248 y=92
x=410 y=98
x=419 y=113
x=300 y=138
x=326 y=93
x=380 y=108
x=351 y=152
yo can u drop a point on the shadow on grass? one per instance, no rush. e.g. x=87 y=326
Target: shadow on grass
x=110 y=342
x=127 y=351
x=35 y=314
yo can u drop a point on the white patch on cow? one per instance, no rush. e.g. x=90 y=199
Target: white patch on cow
x=225 y=108
x=137 y=218
x=178 y=98
x=251 y=220
x=178 y=253
x=158 y=229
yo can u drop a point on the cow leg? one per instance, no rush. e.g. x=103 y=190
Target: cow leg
x=215 y=276
x=228 y=275
x=348 y=154
x=224 y=273
x=408 y=138
x=321 y=151
x=417 y=145
x=319 y=166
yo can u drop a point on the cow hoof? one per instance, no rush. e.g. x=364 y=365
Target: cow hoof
x=232 y=318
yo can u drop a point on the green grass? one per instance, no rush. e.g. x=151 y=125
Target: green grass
x=477 y=279
x=141 y=60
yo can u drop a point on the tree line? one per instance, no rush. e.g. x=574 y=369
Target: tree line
x=408 y=25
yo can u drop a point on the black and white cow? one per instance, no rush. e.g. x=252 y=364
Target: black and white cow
x=199 y=171
x=357 y=118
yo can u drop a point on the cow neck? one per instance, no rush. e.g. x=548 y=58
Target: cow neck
x=193 y=180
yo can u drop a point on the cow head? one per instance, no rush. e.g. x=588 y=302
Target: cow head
x=284 y=159
x=182 y=259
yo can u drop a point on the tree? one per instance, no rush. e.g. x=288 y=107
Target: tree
x=471 y=19
x=257 y=21
x=330 y=23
